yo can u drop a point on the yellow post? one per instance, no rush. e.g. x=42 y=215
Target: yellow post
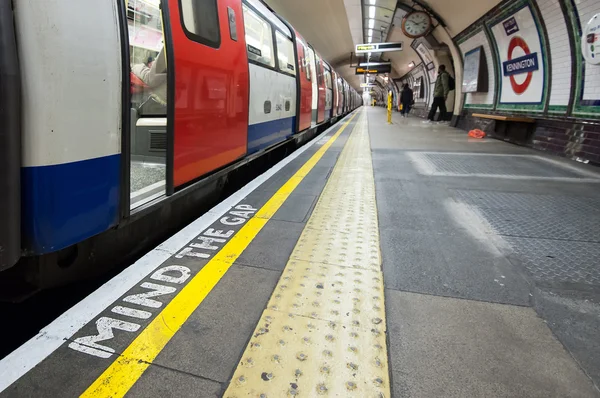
x=389 y=108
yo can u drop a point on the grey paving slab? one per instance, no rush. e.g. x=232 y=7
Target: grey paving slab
x=449 y=265
x=272 y=247
x=296 y=208
x=558 y=262
x=575 y=319
x=213 y=338
x=528 y=201
x=163 y=382
x=445 y=347
x=315 y=181
x=496 y=164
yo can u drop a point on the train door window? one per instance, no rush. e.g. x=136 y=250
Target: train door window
x=328 y=79
x=285 y=53
x=201 y=21
x=148 y=141
x=306 y=61
x=259 y=38
x=319 y=73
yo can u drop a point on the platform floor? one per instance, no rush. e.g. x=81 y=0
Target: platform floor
x=398 y=260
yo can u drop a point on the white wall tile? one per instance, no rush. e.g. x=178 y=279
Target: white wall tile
x=560 y=51
x=477 y=40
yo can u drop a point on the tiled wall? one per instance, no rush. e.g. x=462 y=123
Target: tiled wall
x=472 y=100
x=558 y=128
x=560 y=54
x=586 y=9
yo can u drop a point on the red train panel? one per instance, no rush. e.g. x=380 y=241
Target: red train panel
x=321 y=83
x=211 y=95
x=305 y=94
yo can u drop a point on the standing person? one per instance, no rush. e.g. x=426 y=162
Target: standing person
x=406 y=98
x=440 y=94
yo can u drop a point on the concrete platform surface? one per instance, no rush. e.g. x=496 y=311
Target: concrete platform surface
x=402 y=260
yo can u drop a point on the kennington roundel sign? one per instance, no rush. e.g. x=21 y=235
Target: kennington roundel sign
x=527 y=63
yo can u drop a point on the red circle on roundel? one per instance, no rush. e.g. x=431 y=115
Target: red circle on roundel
x=514 y=43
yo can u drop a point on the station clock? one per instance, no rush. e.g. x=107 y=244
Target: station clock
x=416 y=24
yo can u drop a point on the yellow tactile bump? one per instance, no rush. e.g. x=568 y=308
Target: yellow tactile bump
x=323 y=332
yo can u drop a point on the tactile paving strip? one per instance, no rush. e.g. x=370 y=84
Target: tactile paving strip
x=323 y=332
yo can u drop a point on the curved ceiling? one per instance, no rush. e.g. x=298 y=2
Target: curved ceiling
x=333 y=27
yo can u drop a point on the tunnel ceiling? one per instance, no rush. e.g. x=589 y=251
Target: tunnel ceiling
x=459 y=14
x=334 y=27
x=324 y=24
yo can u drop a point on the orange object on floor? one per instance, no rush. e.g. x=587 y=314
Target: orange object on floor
x=476 y=133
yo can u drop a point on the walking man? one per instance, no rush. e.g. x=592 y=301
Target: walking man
x=440 y=94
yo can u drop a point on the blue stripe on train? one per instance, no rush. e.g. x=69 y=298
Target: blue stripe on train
x=263 y=135
x=67 y=203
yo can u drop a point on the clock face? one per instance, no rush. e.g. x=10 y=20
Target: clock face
x=416 y=24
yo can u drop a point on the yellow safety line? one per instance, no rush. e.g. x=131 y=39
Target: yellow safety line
x=323 y=331
x=122 y=374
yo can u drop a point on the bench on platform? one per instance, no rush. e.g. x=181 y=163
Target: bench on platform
x=518 y=129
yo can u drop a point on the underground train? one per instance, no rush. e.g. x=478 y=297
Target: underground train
x=123 y=112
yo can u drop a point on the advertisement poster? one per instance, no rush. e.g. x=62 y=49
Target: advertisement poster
x=472 y=64
x=424 y=52
x=521 y=58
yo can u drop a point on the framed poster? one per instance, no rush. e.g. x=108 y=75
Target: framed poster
x=521 y=57
x=475 y=76
x=424 y=53
x=432 y=72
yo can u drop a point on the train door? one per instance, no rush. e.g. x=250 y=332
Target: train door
x=315 y=85
x=340 y=90
x=210 y=86
x=305 y=76
x=272 y=77
x=10 y=141
x=328 y=92
x=334 y=110
x=149 y=98
x=321 y=83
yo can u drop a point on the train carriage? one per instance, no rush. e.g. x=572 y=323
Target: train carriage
x=129 y=106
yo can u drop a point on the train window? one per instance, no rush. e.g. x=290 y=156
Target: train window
x=306 y=61
x=201 y=21
x=149 y=97
x=259 y=38
x=285 y=53
x=328 y=79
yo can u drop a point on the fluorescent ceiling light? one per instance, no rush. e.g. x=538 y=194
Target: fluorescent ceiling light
x=412 y=64
x=371 y=12
x=369 y=39
x=371 y=23
x=370 y=32
x=373 y=1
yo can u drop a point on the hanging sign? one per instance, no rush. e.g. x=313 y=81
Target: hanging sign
x=374 y=69
x=378 y=47
x=590 y=41
x=365 y=85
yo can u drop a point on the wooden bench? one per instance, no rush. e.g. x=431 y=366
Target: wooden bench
x=518 y=129
x=505 y=118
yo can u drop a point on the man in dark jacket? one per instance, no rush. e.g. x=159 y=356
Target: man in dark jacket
x=406 y=99
x=440 y=94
